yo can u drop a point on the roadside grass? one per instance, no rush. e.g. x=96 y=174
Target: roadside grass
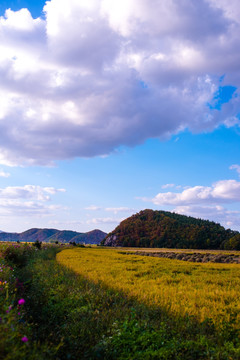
x=15 y=331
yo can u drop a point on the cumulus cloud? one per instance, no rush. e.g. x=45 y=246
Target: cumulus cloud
x=206 y=202
x=94 y=75
x=27 y=200
x=223 y=191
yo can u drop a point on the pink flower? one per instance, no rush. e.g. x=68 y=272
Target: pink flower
x=21 y=302
x=24 y=339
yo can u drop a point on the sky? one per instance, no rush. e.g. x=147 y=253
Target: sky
x=110 y=107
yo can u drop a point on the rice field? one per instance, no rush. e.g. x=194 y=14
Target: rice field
x=199 y=290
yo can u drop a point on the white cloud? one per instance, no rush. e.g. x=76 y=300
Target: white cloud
x=116 y=210
x=167 y=186
x=28 y=192
x=204 y=202
x=65 y=223
x=19 y=20
x=4 y=174
x=104 y=220
x=28 y=200
x=98 y=74
x=10 y=207
x=235 y=167
x=93 y=208
x=220 y=192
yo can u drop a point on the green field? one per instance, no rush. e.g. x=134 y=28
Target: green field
x=95 y=303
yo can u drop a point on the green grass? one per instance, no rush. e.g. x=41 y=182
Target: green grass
x=15 y=332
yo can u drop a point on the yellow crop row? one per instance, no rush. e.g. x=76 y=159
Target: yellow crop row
x=182 y=288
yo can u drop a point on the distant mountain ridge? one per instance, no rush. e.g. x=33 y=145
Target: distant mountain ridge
x=164 y=229
x=52 y=235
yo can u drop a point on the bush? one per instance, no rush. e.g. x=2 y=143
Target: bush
x=17 y=254
x=37 y=244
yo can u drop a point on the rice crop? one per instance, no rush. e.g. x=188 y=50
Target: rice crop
x=183 y=289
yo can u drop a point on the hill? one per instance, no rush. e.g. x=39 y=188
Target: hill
x=52 y=235
x=63 y=236
x=91 y=237
x=36 y=234
x=150 y=228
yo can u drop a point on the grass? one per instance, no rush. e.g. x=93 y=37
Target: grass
x=102 y=304
x=15 y=331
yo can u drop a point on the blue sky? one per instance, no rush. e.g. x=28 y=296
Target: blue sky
x=101 y=117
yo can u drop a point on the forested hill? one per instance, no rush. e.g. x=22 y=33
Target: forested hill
x=150 y=228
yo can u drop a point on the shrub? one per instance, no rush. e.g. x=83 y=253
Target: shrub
x=17 y=254
x=37 y=244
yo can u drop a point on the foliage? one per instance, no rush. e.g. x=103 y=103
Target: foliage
x=17 y=254
x=164 y=229
x=233 y=243
x=15 y=332
x=37 y=244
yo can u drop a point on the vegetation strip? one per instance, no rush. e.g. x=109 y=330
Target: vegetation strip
x=193 y=257
x=16 y=333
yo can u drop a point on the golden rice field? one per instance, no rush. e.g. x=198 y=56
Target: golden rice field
x=201 y=290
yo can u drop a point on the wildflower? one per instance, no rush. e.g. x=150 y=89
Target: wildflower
x=24 y=339
x=21 y=302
